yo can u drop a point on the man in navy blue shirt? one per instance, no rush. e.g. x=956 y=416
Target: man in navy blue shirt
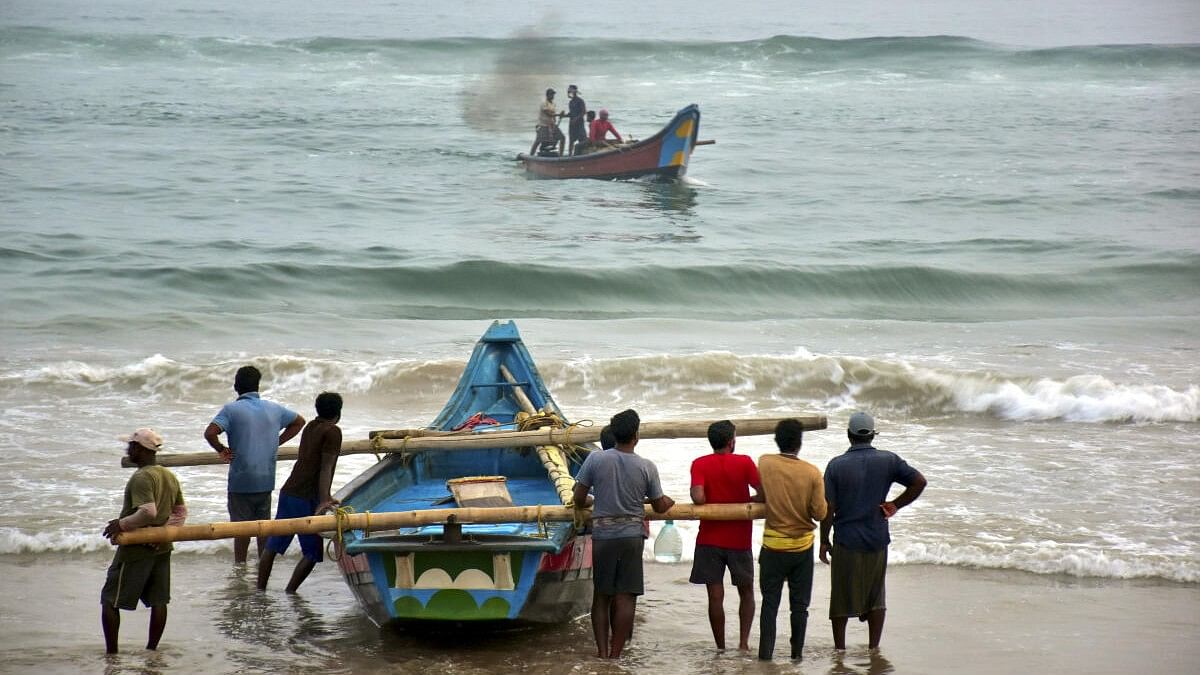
x=856 y=489
x=577 y=109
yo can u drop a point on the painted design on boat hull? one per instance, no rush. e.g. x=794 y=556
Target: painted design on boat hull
x=536 y=572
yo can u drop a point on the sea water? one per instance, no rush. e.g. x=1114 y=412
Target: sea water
x=978 y=223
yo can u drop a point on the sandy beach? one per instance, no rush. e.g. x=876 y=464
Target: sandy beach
x=941 y=620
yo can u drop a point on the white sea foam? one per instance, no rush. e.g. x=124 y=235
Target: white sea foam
x=835 y=382
x=1048 y=558
x=1083 y=398
x=14 y=541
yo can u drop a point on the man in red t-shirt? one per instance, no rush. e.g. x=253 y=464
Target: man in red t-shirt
x=598 y=134
x=725 y=478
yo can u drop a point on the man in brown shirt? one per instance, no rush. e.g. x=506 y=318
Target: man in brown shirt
x=795 y=497
x=307 y=490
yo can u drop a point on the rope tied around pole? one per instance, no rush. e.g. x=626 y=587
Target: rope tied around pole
x=543 y=531
x=377 y=447
x=342 y=516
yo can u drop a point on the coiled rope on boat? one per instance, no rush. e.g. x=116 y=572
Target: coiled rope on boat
x=554 y=457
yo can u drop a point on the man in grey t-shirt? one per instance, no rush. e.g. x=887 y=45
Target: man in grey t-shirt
x=622 y=483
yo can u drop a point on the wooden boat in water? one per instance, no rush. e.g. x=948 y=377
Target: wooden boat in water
x=664 y=155
x=519 y=572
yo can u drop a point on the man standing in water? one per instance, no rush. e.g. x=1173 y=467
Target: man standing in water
x=795 y=497
x=307 y=490
x=856 y=489
x=252 y=429
x=142 y=571
x=622 y=482
x=725 y=478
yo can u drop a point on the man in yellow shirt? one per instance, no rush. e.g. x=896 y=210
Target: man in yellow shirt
x=547 y=132
x=795 y=497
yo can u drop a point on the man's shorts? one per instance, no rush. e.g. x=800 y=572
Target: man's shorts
x=617 y=566
x=856 y=582
x=147 y=579
x=297 y=507
x=249 y=506
x=708 y=566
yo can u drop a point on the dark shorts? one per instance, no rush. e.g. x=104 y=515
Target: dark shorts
x=617 y=566
x=708 y=566
x=856 y=582
x=549 y=135
x=297 y=507
x=249 y=506
x=148 y=580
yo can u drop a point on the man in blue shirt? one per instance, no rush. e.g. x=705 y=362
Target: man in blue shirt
x=252 y=429
x=856 y=490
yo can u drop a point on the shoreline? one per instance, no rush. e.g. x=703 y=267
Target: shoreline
x=941 y=619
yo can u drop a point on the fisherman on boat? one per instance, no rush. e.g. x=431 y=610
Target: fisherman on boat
x=600 y=130
x=548 y=135
x=576 y=112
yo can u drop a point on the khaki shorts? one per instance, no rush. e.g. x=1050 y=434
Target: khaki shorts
x=148 y=580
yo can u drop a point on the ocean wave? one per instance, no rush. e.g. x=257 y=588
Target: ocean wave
x=16 y=541
x=1047 y=558
x=518 y=54
x=716 y=380
x=1044 y=558
x=481 y=289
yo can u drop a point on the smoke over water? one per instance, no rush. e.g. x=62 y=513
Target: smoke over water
x=506 y=98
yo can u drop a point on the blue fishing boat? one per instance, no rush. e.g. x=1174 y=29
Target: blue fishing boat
x=518 y=572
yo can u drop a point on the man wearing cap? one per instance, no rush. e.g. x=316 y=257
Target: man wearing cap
x=576 y=111
x=547 y=131
x=142 y=571
x=856 y=489
x=254 y=429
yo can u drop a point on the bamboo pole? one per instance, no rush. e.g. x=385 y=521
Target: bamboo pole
x=518 y=391
x=377 y=522
x=385 y=441
x=746 y=426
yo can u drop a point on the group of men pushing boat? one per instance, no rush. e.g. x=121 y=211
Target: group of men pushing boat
x=549 y=139
x=851 y=500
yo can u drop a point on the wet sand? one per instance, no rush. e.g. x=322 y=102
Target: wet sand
x=941 y=619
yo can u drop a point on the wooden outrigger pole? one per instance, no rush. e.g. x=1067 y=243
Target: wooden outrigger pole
x=391 y=520
x=411 y=440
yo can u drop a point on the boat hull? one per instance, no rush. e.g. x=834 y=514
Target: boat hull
x=664 y=155
x=506 y=573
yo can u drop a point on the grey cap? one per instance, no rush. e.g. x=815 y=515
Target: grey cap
x=861 y=424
